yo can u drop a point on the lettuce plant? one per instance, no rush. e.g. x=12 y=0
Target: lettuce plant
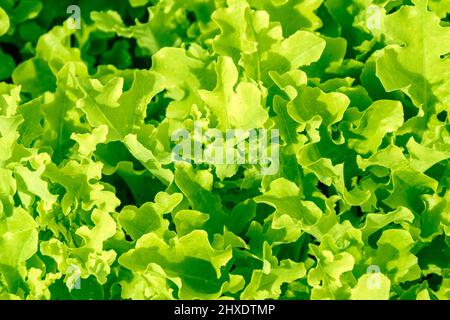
x=92 y=205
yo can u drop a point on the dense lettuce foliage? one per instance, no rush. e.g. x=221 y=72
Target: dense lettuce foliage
x=359 y=89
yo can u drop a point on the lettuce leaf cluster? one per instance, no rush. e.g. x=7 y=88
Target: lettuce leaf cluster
x=93 y=207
